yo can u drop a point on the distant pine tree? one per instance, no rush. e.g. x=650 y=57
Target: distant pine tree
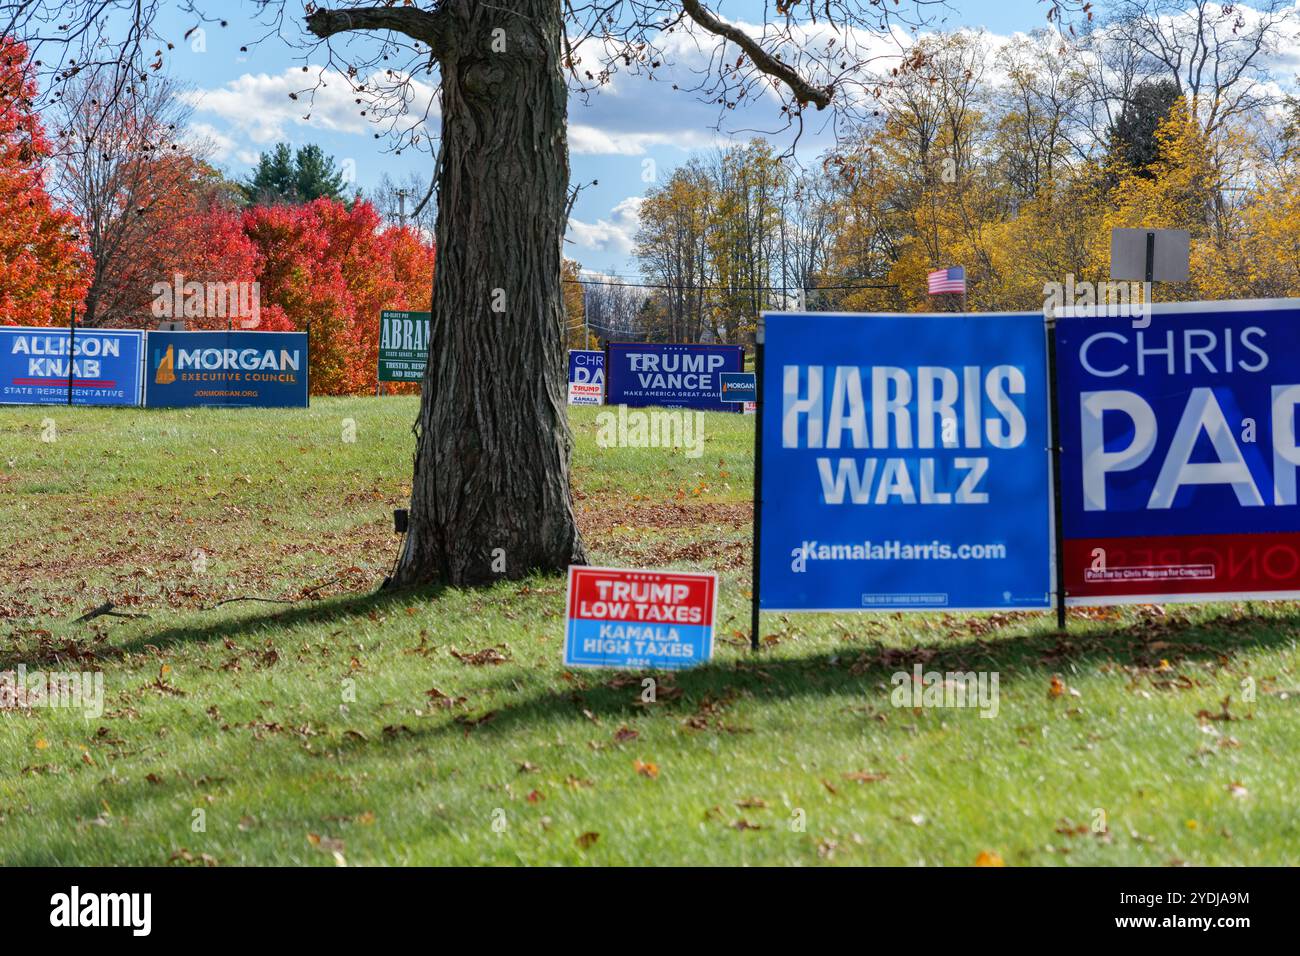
x=274 y=180
x=1133 y=134
x=316 y=175
x=283 y=177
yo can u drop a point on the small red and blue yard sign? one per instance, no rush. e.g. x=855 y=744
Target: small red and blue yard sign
x=651 y=620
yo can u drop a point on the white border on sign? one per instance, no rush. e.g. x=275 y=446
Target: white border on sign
x=1111 y=600
x=138 y=334
x=1175 y=308
x=1049 y=397
x=568 y=592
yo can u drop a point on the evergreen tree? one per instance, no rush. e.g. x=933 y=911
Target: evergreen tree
x=274 y=180
x=315 y=175
x=1133 y=135
x=285 y=177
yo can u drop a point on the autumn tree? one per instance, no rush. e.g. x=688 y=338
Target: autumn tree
x=123 y=165
x=492 y=460
x=332 y=269
x=43 y=268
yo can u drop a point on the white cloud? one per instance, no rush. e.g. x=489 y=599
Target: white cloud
x=258 y=107
x=593 y=141
x=615 y=234
x=212 y=140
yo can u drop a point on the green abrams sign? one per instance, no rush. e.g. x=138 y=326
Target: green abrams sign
x=403 y=346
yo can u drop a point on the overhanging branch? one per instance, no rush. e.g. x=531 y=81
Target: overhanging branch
x=803 y=91
x=429 y=27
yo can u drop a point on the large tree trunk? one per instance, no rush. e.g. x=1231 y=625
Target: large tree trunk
x=490 y=497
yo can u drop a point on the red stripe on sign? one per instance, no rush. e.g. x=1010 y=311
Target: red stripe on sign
x=1183 y=564
x=76 y=383
x=614 y=594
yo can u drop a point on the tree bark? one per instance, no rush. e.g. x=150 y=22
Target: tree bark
x=490 y=496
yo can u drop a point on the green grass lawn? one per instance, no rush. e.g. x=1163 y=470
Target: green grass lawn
x=440 y=727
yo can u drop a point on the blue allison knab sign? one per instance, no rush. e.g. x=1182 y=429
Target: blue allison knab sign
x=104 y=366
x=267 y=369
x=675 y=376
x=904 y=462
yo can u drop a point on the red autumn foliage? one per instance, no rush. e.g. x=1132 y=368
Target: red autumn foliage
x=319 y=265
x=195 y=233
x=337 y=269
x=43 y=267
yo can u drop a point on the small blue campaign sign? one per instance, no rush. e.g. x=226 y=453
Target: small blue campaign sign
x=739 y=387
x=586 y=377
x=643 y=620
x=104 y=368
x=904 y=462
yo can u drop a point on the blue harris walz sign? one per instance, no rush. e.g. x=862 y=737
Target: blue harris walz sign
x=267 y=369
x=904 y=462
x=676 y=375
x=37 y=366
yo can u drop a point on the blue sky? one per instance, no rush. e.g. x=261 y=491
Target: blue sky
x=242 y=106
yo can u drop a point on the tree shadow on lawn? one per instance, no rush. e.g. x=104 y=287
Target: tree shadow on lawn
x=332 y=611
x=1140 y=646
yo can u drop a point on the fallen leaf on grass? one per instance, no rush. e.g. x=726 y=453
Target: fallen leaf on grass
x=988 y=859
x=325 y=843
x=742 y=825
x=185 y=856
x=489 y=655
x=866 y=776
x=438 y=698
x=471 y=723
x=650 y=770
x=625 y=733
x=1059 y=688
x=1223 y=713
x=587 y=840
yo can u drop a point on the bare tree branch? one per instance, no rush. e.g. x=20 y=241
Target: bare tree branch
x=803 y=91
x=428 y=26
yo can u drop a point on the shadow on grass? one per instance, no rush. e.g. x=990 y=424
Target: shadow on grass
x=703 y=692
x=331 y=611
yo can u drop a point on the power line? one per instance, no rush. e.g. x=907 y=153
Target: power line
x=788 y=290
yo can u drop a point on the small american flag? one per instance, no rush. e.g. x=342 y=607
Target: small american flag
x=946 y=280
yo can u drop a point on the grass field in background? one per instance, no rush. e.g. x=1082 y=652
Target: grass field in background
x=342 y=726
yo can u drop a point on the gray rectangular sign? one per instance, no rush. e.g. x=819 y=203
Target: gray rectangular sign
x=1171 y=252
